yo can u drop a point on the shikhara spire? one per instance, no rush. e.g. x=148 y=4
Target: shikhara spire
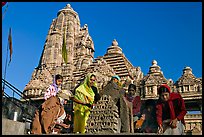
x=66 y=34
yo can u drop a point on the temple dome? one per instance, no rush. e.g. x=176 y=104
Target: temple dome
x=154 y=63
x=114 y=48
x=155 y=68
x=68 y=9
x=114 y=43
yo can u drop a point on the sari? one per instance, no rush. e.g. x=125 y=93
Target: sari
x=85 y=94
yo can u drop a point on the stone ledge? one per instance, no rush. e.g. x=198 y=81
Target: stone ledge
x=10 y=127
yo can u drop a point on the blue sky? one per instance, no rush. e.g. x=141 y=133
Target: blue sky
x=169 y=32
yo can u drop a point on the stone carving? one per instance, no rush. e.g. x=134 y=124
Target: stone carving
x=150 y=82
x=81 y=60
x=41 y=79
x=193 y=124
x=120 y=64
x=137 y=73
x=124 y=109
x=104 y=117
x=188 y=82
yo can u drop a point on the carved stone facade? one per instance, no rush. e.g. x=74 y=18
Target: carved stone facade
x=121 y=65
x=80 y=54
x=188 y=83
x=104 y=118
x=193 y=124
x=107 y=117
x=148 y=84
x=80 y=50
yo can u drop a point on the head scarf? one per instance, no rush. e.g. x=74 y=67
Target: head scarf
x=52 y=90
x=54 y=84
x=87 y=92
x=116 y=76
x=87 y=80
x=85 y=88
x=164 y=88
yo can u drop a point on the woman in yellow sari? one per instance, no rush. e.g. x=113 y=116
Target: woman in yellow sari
x=83 y=102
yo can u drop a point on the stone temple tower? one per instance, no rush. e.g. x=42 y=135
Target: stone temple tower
x=80 y=53
x=66 y=30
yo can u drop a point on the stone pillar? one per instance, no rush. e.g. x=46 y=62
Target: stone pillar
x=188 y=126
x=154 y=90
x=146 y=91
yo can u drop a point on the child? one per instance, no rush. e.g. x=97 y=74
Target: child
x=54 y=88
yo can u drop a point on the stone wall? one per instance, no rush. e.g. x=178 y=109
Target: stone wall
x=10 y=127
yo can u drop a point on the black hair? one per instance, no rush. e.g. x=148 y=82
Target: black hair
x=97 y=96
x=132 y=86
x=58 y=76
x=162 y=89
x=92 y=75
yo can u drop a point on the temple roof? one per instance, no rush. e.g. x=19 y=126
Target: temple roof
x=68 y=8
x=81 y=60
x=155 y=75
x=187 y=77
x=117 y=60
x=114 y=48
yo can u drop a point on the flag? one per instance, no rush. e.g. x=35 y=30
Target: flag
x=64 y=50
x=10 y=44
x=3 y=3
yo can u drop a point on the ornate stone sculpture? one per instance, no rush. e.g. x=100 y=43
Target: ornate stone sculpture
x=104 y=117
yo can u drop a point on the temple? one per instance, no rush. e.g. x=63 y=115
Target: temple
x=80 y=55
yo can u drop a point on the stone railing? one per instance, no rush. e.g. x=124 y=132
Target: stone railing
x=193 y=123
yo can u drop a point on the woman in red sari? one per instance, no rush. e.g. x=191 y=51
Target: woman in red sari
x=170 y=112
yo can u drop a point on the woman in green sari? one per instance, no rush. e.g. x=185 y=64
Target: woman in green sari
x=83 y=102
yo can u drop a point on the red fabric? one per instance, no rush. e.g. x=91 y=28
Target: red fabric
x=183 y=111
x=10 y=44
x=181 y=105
x=165 y=86
x=136 y=105
x=159 y=113
x=3 y=3
x=172 y=113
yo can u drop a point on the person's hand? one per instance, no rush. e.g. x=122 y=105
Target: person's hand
x=66 y=126
x=160 y=129
x=93 y=105
x=139 y=123
x=173 y=123
x=69 y=117
x=143 y=117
